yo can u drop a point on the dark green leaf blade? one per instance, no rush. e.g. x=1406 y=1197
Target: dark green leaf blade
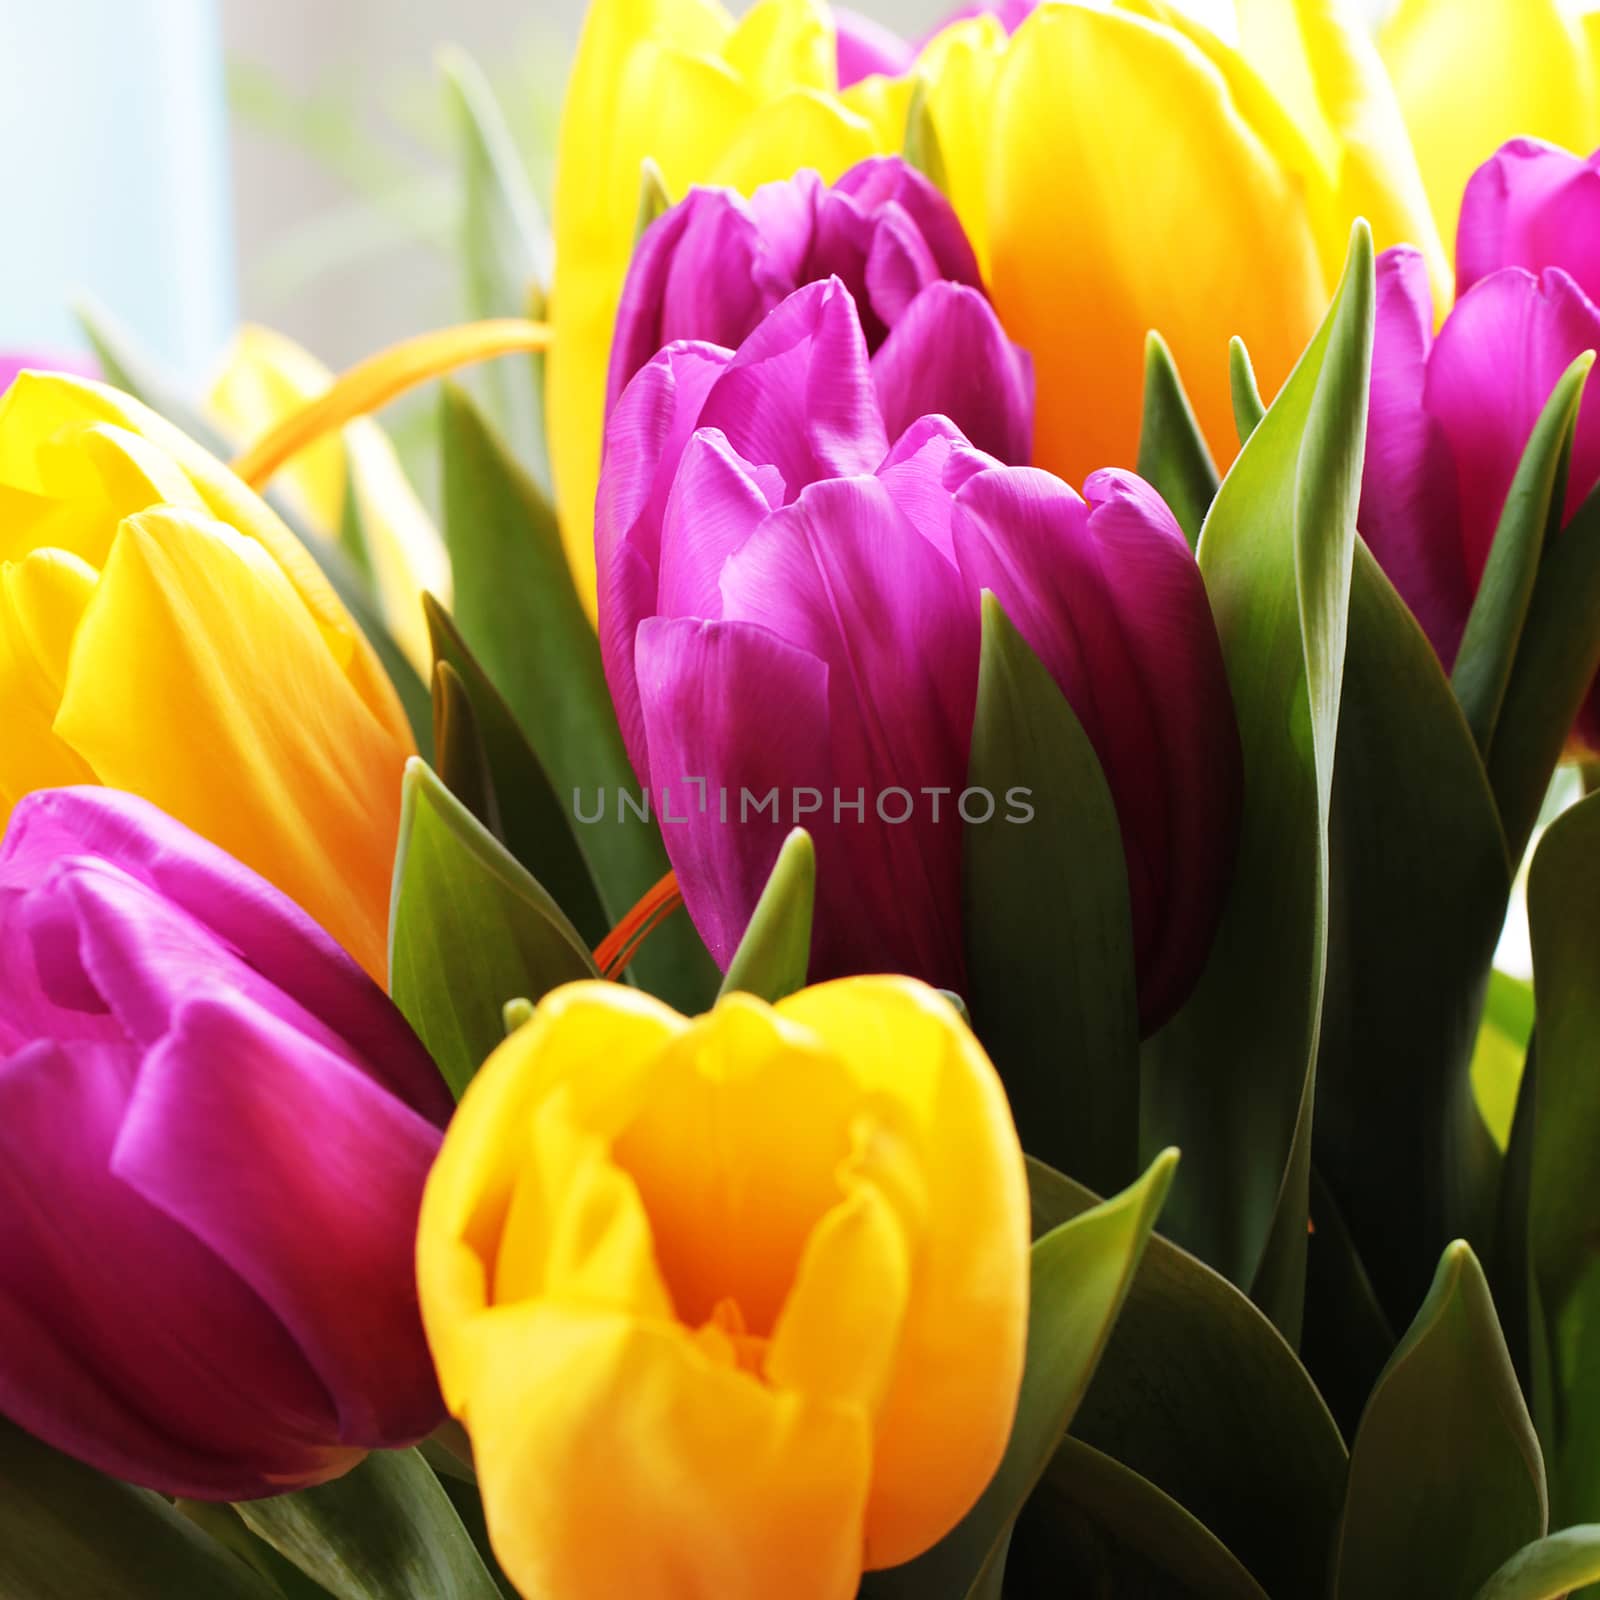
x=384 y=1531
x=775 y=952
x=469 y=930
x=1049 y=932
x=1172 y=450
x=463 y=764
x=1446 y=1482
x=1081 y=1271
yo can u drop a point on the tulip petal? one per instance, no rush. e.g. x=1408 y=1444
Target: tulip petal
x=712 y=693
x=1534 y=206
x=944 y=1423
x=731 y=1488
x=1471 y=77
x=801 y=128
x=1409 y=511
x=195 y=653
x=216 y=1137
x=887 y=184
x=78 y=1249
x=948 y=353
x=865 y=46
x=923 y=470
x=1493 y=366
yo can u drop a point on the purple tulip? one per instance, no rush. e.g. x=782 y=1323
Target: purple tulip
x=790 y=606
x=214 y=1132
x=714 y=265
x=1451 y=415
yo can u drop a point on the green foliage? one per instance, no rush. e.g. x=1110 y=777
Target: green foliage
x=1172 y=450
x=775 y=952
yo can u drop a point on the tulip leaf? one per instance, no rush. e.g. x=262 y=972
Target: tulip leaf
x=922 y=149
x=775 y=952
x=1420 y=881
x=533 y=823
x=1549 y=1568
x=469 y=929
x=1081 y=1271
x=505 y=251
x=384 y=1531
x=69 y=1533
x=1049 y=931
x=653 y=197
x=1556 y=663
x=1230 y=1080
x=1139 y=1540
x=1446 y=1482
x=1248 y=409
x=1499 y=1052
x=1563 y=1202
x=132 y=371
x=1172 y=450
x=459 y=755
x=1532 y=512
x=224 y=1524
x=1199 y=1393
x=518 y=610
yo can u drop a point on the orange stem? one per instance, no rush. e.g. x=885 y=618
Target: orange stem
x=618 y=948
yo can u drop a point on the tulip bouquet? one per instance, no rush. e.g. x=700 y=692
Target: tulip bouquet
x=869 y=970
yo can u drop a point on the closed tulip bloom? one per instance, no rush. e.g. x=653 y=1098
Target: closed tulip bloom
x=162 y=632
x=729 y=1307
x=1451 y=414
x=714 y=265
x=790 y=603
x=214 y=1132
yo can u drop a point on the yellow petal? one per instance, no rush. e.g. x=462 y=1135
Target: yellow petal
x=933 y=1458
x=618 y=1459
x=779 y=45
x=42 y=599
x=1469 y=77
x=960 y=65
x=884 y=105
x=799 y=129
x=1092 y=108
x=199 y=680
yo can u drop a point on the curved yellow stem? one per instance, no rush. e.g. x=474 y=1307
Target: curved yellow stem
x=374 y=382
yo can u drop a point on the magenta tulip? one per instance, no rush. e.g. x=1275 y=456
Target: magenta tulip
x=214 y=1132
x=1451 y=414
x=714 y=265
x=789 y=613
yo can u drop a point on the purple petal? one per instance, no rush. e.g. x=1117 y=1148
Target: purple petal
x=1531 y=205
x=1498 y=356
x=949 y=354
x=713 y=693
x=925 y=467
x=1410 y=515
x=865 y=47
x=305 y=1177
x=882 y=182
x=123 y=1340
x=798 y=394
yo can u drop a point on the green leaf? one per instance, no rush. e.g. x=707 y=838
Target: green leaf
x=1445 y=1477
x=533 y=823
x=1499 y=1052
x=775 y=952
x=458 y=747
x=1049 y=932
x=131 y=370
x=516 y=1012
x=1556 y=663
x=505 y=251
x=653 y=197
x=1172 y=450
x=518 y=610
x=1230 y=1080
x=1081 y=1271
x=1248 y=409
x=1549 y=1568
x=69 y=1533
x=384 y=1531
x=1198 y=1393
x=224 y=1524
x=469 y=929
x=1419 y=886
x=1533 y=510
x=1563 y=1234
x=922 y=149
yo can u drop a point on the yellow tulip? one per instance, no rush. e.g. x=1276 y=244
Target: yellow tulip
x=161 y=631
x=729 y=1307
x=266 y=377
x=710 y=101
x=1473 y=73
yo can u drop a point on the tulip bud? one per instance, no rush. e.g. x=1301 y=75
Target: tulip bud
x=790 y=608
x=734 y=1306
x=214 y=1131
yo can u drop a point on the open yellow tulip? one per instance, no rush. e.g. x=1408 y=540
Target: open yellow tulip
x=729 y=1307
x=161 y=631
